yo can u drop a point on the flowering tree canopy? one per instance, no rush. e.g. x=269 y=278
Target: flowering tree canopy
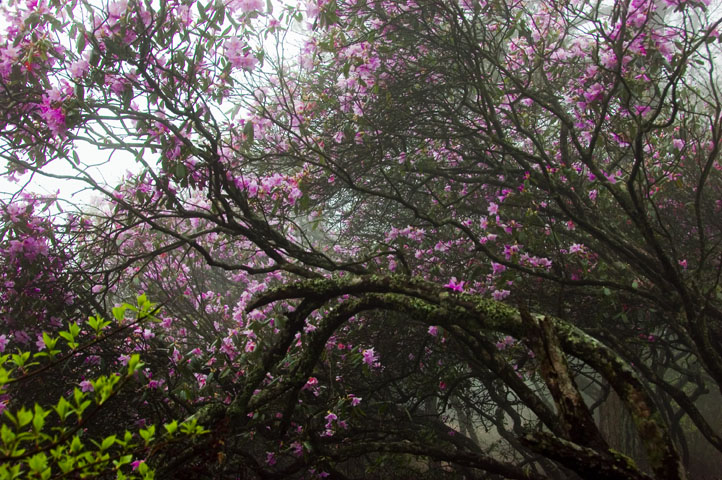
x=452 y=238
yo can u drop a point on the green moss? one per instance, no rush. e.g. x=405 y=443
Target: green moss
x=622 y=459
x=498 y=315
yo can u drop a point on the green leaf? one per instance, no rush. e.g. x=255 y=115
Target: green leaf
x=202 y=12
x=119 y=313
x=81 y=408
x=134 y=363
x=147 y=434
x=24 y=417
x=49 y=341
x=97 y=323
x=171 y=427
x=74 y=329
x=62 y=408
x=20 y=358
x=38 y=462
x=107 y=443
x=7 y=435
x=67 y=336
x=142 y=301
x=124 y=460
x=127 y=96
x=78 y=396
x=181 y=172
x=80 y=41
x=66 y=464
x=220 y=14
x=94 y=59
x=248 y=132
x=76 y=445
x=39 y=418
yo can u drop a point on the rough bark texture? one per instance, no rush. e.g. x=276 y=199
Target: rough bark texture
x=586 y=462
x=574 y=416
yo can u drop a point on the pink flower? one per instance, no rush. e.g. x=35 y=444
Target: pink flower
x=247 y=6
x=116 y=10
x=86 y=386
x=497 y=268
x=355 y=401
x=433 y=330
x=576 y=248
x=229 y=348
x=79 y=69
x=595 y=92
x=54 y=118
x=500 y=294
x=313 y=8
x=247 y=62
x=370 y=357
x=297 y=449
x=237 y=54
x=455 y=285
x=505 y=342
x=642 y=110
x=3 y=342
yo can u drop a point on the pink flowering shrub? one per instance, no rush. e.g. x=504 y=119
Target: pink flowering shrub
x=429 y=237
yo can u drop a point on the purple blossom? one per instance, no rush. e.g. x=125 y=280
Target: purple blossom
x=248 y=6
x=79 y=69
x=370 y=357
x=505 y=342
x=499 y=295
x=238 y=54
x=576 y=248
x=497 y=268
x=455 y=285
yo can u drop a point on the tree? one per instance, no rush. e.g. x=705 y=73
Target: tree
x=446 y=219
